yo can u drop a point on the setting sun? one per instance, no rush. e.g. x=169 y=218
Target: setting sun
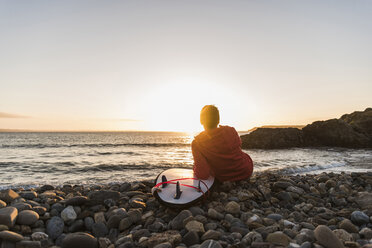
x=176 y=105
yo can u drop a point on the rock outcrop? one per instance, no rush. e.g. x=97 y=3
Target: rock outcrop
x=273 y=138
x=334 y=132
x=351 y=130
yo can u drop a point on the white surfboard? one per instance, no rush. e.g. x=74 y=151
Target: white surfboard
x=168 y=194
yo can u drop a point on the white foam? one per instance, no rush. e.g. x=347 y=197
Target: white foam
x=305 y=169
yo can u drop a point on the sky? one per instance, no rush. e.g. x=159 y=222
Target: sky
x=152 y=65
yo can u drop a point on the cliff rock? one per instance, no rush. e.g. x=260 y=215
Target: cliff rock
x=334 y=132
x=272 y=138
x=351 y=130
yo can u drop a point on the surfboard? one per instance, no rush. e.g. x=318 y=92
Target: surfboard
x=180 y=188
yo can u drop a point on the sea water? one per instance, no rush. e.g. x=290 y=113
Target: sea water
x=31 y=159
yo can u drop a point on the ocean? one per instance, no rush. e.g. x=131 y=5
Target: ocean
x=32 y=159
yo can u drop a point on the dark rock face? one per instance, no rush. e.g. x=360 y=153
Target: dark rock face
x=334 y=132
x=273 y=138
x=351 y=130
x=361 y=121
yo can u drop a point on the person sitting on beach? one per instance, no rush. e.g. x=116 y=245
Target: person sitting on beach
x=217 y=150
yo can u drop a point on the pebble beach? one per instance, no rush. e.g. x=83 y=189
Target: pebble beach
x=269 y=210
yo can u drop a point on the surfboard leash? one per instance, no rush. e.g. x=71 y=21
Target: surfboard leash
x=174 y=181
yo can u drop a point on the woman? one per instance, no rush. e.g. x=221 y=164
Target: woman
x=217 y=150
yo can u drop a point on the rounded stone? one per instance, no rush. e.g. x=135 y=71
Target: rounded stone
x=136 y=235
x=211 y=234
x=125 y=224
x=58 y=207
x=284 y=196
x=288 y=223
x=77 y=225
x=121 y=212
x=79 y=240
x=8 y=216
x=28 y=244
x=99 y=230
x=210 y=244
x=305 y=244
x=343 y=235
x=8 y=195
x=77 y=200
x=88 y=223
x=104 y=242
x=38 y=236
x=99 y=217
x=29 y=195
x=164 y=245
x=20 y=206
x=55 y=227
x=27 y=217
x=348 y=226
x=135 y=215
x=68 y=214
x=10 y=236
x=210 y=226
x=278 y=238
x=4 y=228
x=275 y=217
x=2 y=204
x=135 y=203
x=177 y=222
x=46 y=187
x=195 y=226
x=191 y=238
x=366 y=233
x=330 y=183
x=170 y=236
x=59 y=240
x=252 y=237
x=232 y=207
x=114 y=221
x=40 y=210
x=359 y=218
x=214 y=214
x=326 y=237
x=281 y=185
x=197 y=211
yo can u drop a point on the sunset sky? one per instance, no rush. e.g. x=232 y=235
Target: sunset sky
x=152 y=65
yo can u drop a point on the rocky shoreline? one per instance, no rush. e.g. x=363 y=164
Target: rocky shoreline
x=350 y=131
x=269 y=210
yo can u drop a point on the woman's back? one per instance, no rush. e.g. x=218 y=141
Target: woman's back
x=218 y=152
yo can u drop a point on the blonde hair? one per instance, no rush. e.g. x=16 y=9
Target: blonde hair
x=209 y=116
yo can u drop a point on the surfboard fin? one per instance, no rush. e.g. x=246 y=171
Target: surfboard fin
x=178 y=191
x=199 y=188
x=155 y=189
x=164 y=179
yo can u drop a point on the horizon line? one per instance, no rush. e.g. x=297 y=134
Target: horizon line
x=6 y=130
x=11 y=130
